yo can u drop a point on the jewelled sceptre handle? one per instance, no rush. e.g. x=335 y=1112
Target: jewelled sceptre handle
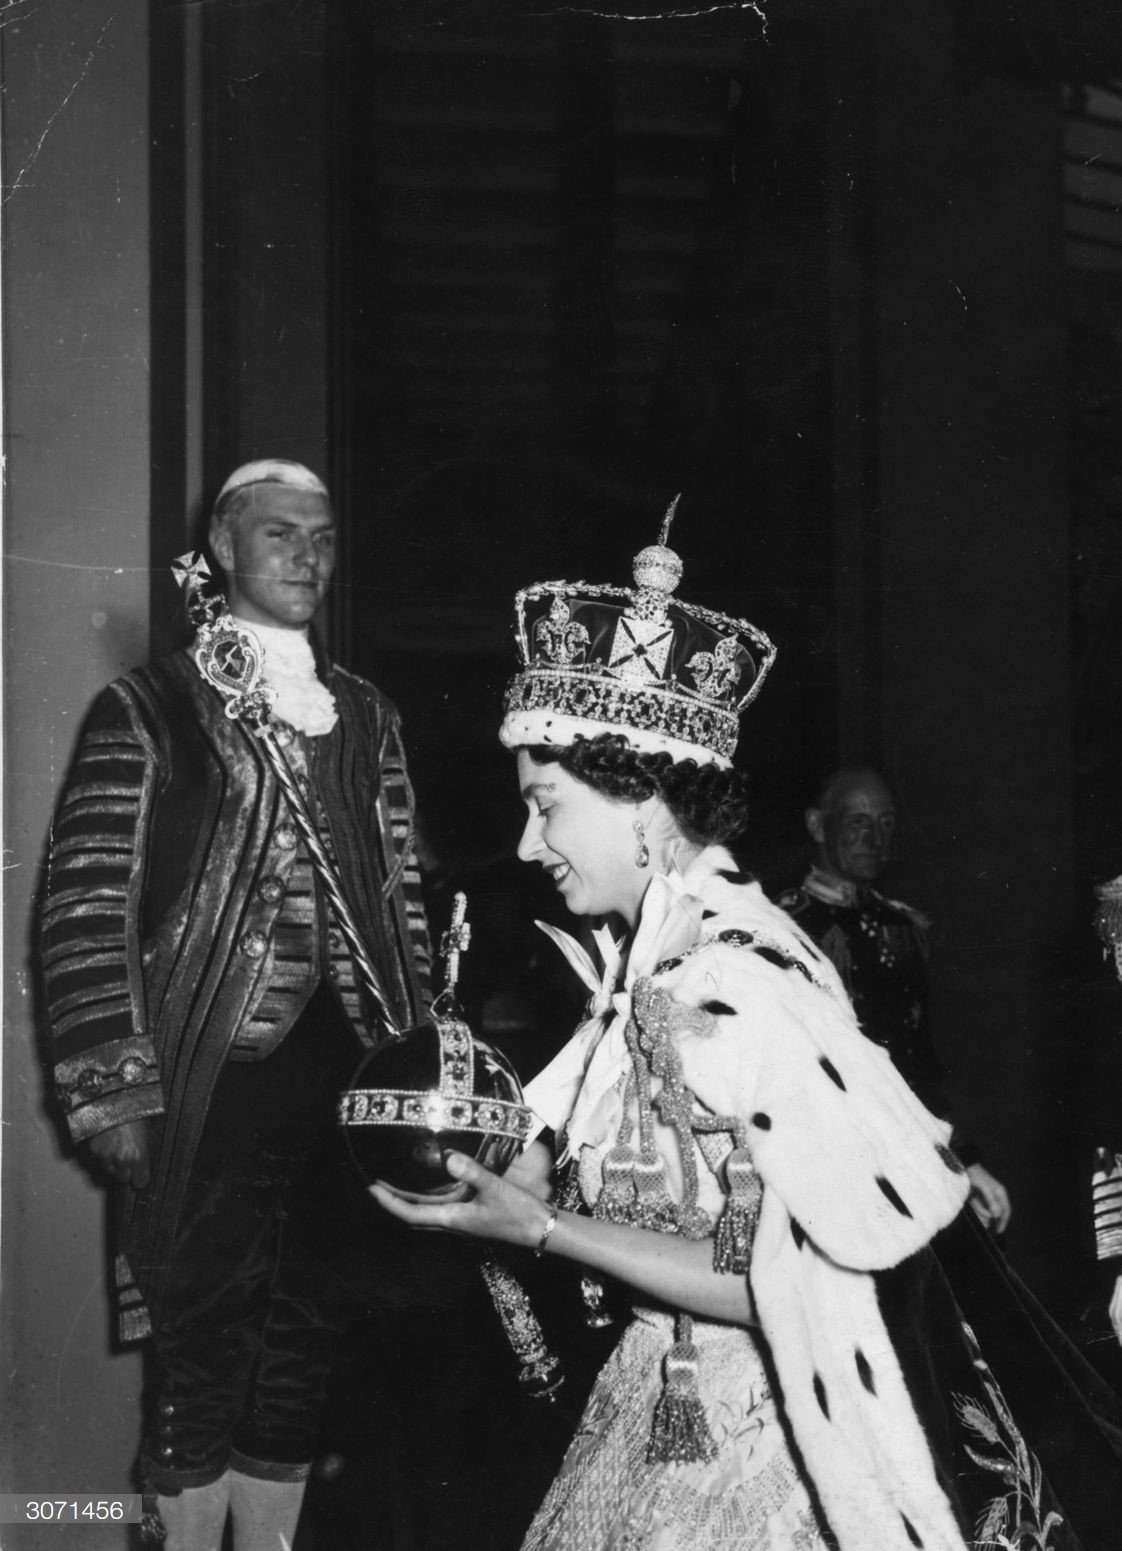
x=231 y=658
x=453 y=942
x=540 y=1371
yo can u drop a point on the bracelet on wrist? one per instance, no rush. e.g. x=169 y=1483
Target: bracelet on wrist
x=551 y=1223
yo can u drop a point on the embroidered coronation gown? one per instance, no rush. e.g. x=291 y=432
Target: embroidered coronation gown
x=728 y=1081
x=751 y=1496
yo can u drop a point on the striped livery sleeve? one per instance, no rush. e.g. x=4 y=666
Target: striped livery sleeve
x=105 y=1070
x=1106 y=1196
x=398 y=807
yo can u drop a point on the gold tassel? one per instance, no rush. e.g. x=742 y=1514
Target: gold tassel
x=680 y=1432
x=153 y=1531
x=653 y=1207
x=732 y=1247
x=616 y=1202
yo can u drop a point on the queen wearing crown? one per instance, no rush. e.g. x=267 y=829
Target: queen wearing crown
x=725 y=1143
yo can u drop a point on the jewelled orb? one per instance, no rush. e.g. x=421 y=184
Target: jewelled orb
x=435 y=1087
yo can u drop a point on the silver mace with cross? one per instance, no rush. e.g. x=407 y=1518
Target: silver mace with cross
x=231 y=658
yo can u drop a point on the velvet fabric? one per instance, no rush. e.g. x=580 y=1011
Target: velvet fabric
x=244 y=1346
x=1062 y=1404
x=170 y=843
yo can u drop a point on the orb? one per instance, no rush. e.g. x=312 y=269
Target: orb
x=432 y=1088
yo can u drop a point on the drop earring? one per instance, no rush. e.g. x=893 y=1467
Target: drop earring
x=642 y=852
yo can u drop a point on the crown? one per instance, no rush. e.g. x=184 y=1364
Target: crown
x=673 y=676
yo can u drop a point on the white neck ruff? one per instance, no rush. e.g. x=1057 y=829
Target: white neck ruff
x=290 y=669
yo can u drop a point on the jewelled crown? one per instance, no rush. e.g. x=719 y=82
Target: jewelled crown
x=672 y=676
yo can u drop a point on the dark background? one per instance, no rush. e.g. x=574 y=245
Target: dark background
x=850 y=279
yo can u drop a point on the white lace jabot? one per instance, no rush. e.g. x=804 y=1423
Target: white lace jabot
x=290 y=668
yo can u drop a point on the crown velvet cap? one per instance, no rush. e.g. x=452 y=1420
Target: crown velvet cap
x=672 y=676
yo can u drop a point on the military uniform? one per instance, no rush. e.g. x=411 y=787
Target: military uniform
x=879 y=947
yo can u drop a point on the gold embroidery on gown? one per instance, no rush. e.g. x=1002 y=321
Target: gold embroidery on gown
x=751 y=1497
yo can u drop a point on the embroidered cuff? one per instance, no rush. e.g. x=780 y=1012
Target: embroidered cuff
x=107 y=1085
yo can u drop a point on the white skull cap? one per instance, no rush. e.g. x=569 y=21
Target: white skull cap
x=274 y=471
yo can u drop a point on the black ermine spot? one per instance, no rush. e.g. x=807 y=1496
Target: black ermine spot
x=949 y=1159
x=913 y=1533
x=888 y=1189
x=831 y=1071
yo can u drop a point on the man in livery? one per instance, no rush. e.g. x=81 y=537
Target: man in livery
x=879 y=947
x=206 y=1012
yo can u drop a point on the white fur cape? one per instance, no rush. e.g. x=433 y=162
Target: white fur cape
x=857 y=1176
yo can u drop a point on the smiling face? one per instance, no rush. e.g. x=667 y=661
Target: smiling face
x=584 y=840
x=278 y=552
x=855 y=828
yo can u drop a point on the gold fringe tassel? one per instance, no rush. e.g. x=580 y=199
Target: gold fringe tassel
x=680 y=1432
x=616 y=1202
x=732 y=1245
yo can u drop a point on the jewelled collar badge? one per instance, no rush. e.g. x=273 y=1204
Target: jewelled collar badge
x=670 y=675
x=227 y=655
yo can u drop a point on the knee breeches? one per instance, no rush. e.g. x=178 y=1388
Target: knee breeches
x=247 y=1330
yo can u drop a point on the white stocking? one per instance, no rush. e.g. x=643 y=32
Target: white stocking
x=195 y=1519
x=264 y=1512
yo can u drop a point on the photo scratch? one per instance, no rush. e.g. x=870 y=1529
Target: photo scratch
x=31 y=160
x=73 y=565
x=661 y=16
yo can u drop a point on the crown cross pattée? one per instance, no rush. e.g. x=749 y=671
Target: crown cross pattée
x=640 y=648
x=561 y=639
x=716 y=673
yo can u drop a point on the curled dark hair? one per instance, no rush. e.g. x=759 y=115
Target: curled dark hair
x=709 y=804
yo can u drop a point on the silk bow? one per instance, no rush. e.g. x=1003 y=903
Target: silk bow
x=578 y=1093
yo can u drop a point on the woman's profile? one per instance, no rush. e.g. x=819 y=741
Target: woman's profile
x=720 y=1138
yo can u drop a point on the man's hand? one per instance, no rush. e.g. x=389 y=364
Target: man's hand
x=989 y=1199
x=123 y=1153
x=1116 y=1307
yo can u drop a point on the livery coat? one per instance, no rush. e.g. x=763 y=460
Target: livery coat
x=168 y=843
